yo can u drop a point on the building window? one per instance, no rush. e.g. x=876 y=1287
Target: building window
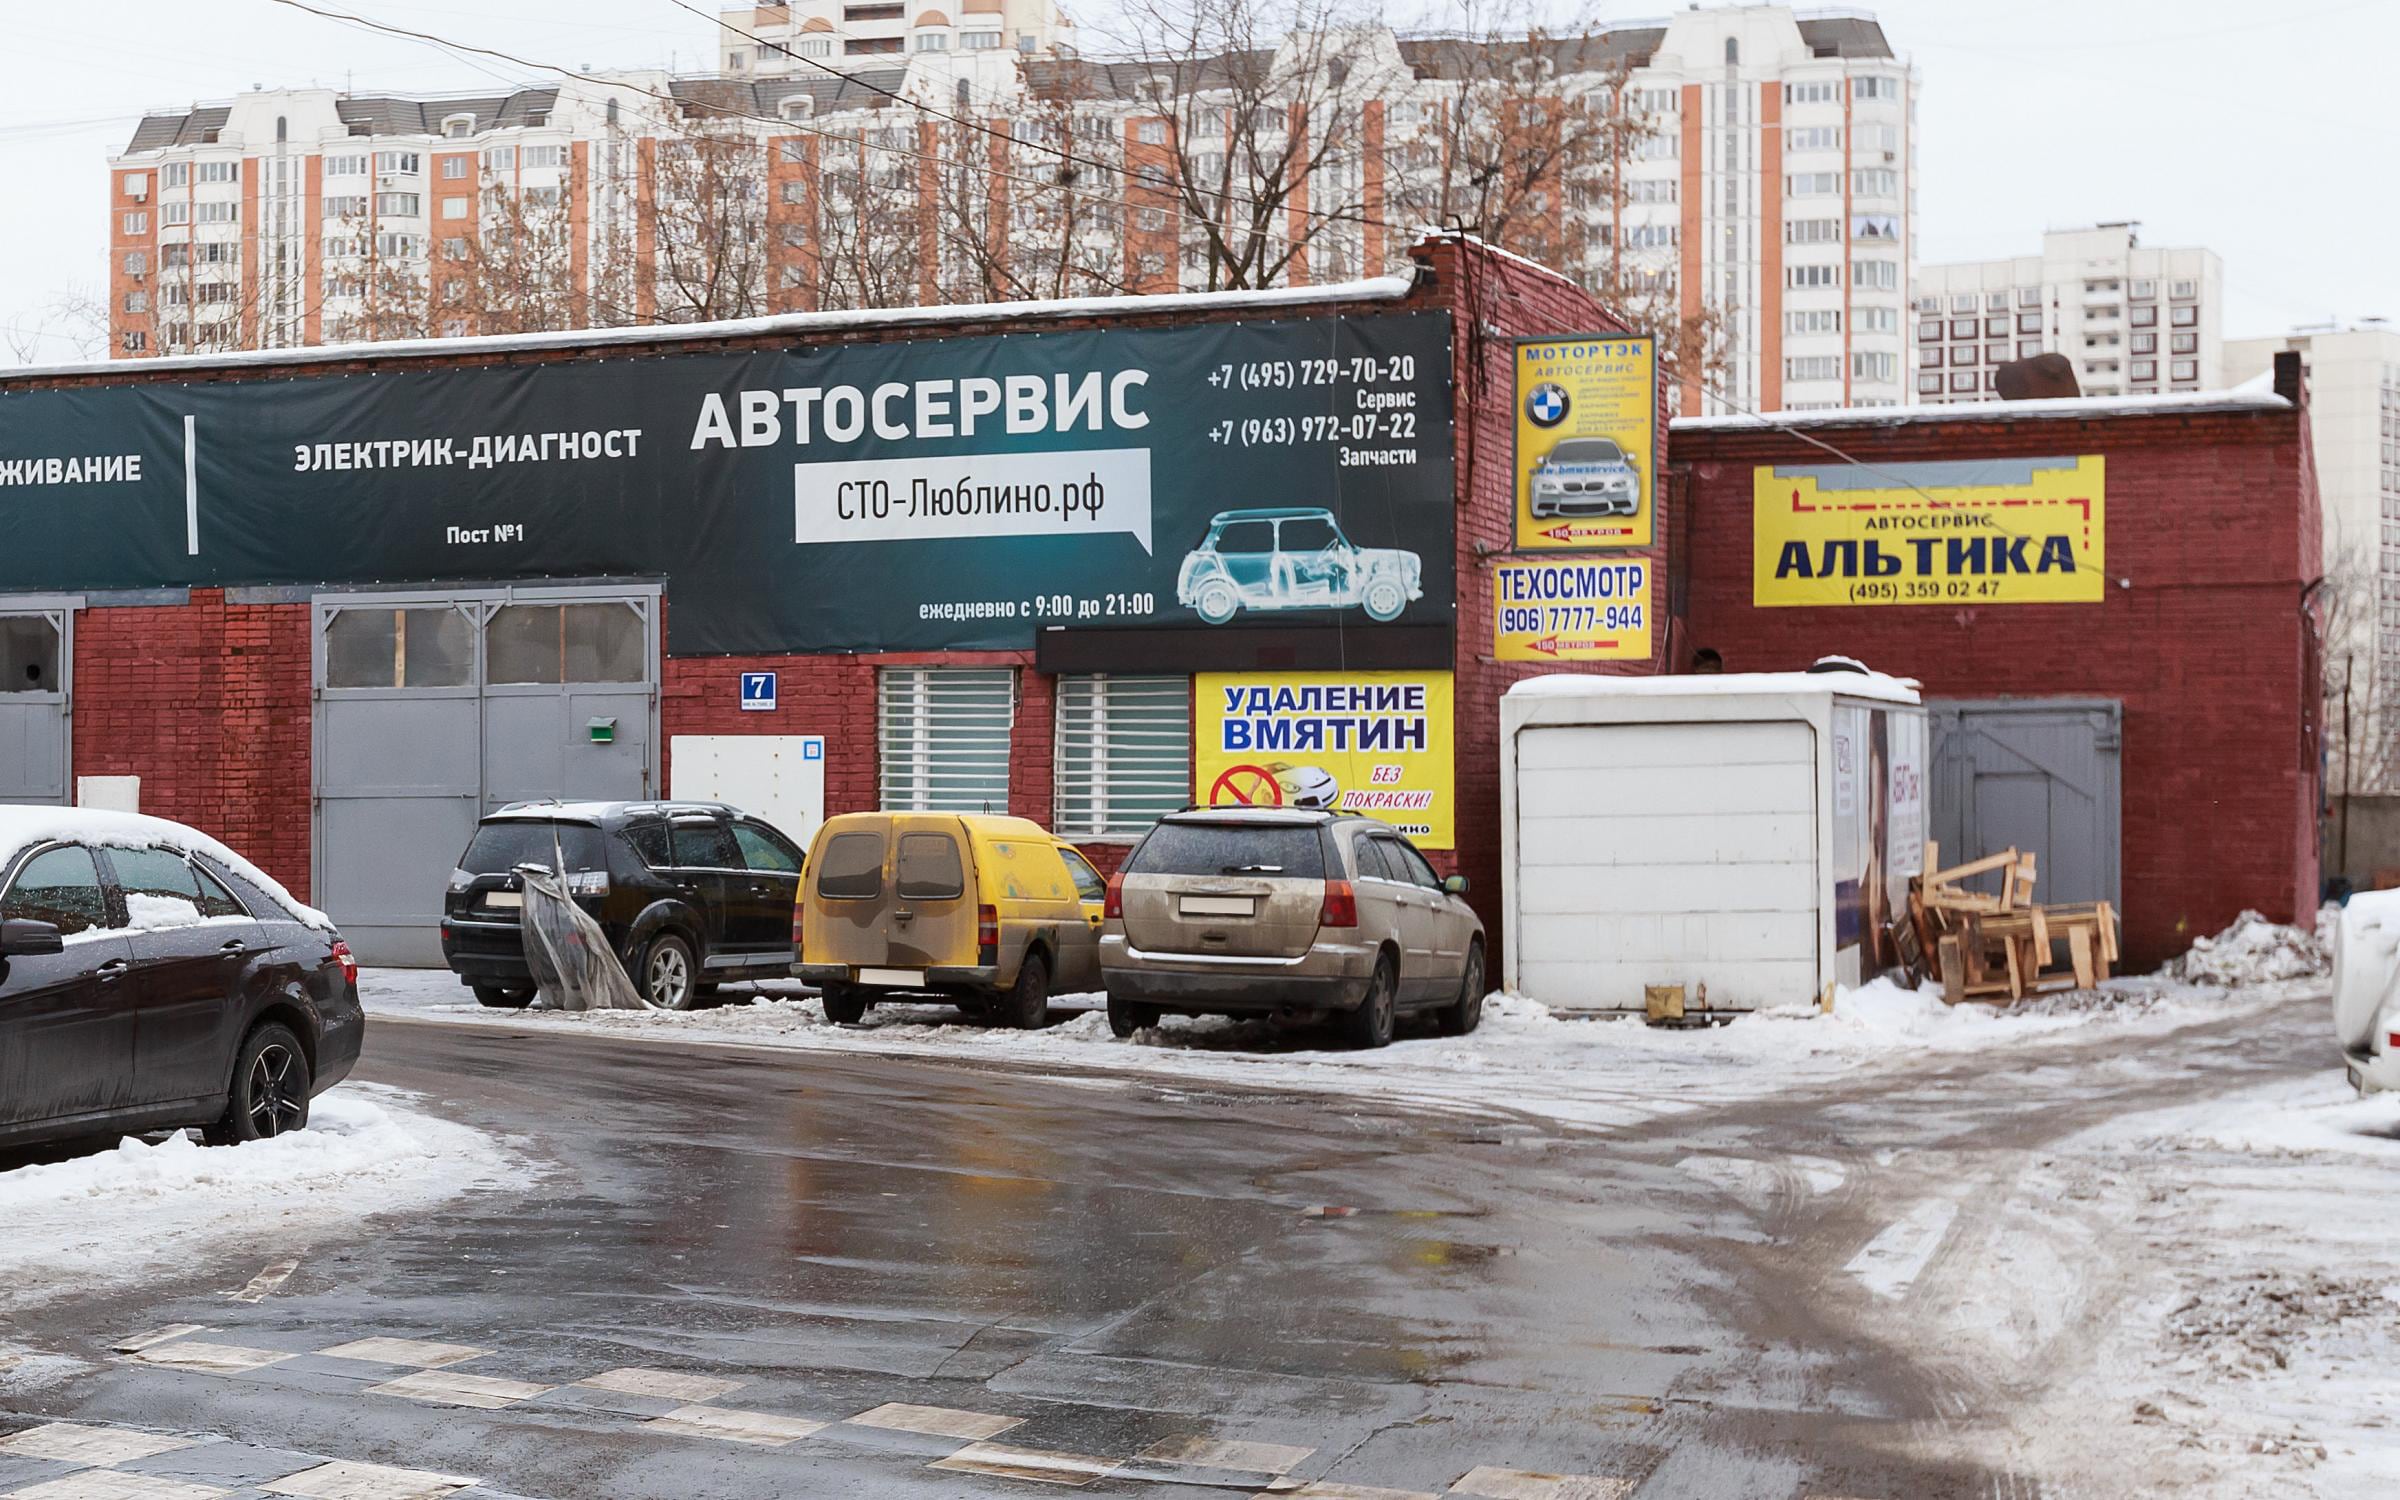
x=175 y=174
x=1814 y=320
x=1875 y=275
x=979 y=41
x=220 y=213
x=454 y=168
x=1929 y=331
x=2184 y=317
x=1650 y=190
x=137 y=263
x=857 y=45
x=1813 y=138
x=1813 y=367
x=1963 y=380
x=399 y=205
x=137 y=302
x=1929 y=358
x=345 y=166
x=174 y=211
x=2145 y=369
x=1995 y=354
x=1813 y=184
x=220 y=171
x=2029 y=296
x=942 y=738
x=454 y=248
x=1803 y=277
x=2184 y=291
x=2145 y=343
x=1875 y=227
x=2145 y=289
x=1813 y=232
x=795 y=190
x=1963 y=354
x=454 y=208
x=1872 y=87
x=345 y=206
x=545 y=156
x=398 y=163
x=2183 y=343
x=1928 y=385
x=1822 y=91
x=1994 y=327
x=1962 y=328
x=1659 y=147
x=933 y=41
x=1124 y=752
x=500 y=159
x=1875 y=182
x=138 y=223
x=1151 y=132
x=136 y=184
x=2028 y=348
x=1868 y=364
x=2184 y=369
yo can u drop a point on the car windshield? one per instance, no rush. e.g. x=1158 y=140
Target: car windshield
x=1587 y=451
x=503 y=845
x=1307 y=534
x=1283 y=849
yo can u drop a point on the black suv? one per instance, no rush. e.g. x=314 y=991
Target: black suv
x=691 y=894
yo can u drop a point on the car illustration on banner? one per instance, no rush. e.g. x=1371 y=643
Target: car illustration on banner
x=1585 y=477
x=1292 y=557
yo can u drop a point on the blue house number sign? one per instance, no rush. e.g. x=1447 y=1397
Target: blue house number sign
x=758 y=692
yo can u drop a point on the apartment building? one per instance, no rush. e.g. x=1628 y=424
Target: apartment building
x=1769 y=183
x=784 y=38
x=2133 y=319
x=2354 y=415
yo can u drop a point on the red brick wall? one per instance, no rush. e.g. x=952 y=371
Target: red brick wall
x=1497 y=299
x=2212 y=529
x=209 y=703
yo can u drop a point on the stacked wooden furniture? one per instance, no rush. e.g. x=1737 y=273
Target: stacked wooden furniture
x=1983 y=946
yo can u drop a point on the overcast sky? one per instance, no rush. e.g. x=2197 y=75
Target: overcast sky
x=2263 y=132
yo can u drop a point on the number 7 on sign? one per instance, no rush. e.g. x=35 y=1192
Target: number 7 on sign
x=758 y=692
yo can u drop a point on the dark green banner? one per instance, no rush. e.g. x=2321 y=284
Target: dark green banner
x=944 y=493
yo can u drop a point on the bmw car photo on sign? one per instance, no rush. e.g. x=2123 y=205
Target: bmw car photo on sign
x=1586 y=430
x=1373 y=743
x=929 y=494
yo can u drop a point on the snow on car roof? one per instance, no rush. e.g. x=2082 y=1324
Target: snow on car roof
x=1719 y=684
x=593 y=812
x=23 y=827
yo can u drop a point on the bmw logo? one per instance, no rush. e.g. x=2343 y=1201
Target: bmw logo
x=1547 y=406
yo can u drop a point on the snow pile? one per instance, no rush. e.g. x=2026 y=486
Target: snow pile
x=2252 y=951
x=2319 y=1117
x=120 y=1215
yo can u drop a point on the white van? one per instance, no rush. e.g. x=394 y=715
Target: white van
x=2366 y=990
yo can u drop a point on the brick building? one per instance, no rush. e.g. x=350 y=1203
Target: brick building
x=2199 y=658
x=228 y=701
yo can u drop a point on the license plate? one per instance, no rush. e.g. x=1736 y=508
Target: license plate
x=510 y=899
x=2358 y=1077
x=901 y=978
x=1219 y=906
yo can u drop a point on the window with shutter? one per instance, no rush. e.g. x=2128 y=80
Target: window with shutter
x=1124 y=752
x=942 y=738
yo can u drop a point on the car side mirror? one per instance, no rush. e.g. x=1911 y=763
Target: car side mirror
x=1456 y=885
x=22 y=937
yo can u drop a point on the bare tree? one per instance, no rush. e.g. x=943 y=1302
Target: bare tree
x=517 y=272
x=871 y=222
x=1261 y=159
x=72 y=325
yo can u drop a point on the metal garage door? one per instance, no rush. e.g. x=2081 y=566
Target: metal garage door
x=37 y=654
x=2038 y=775
x=1666 y=853
x=433 y=709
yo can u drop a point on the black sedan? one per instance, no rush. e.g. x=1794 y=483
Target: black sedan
x=152 y=980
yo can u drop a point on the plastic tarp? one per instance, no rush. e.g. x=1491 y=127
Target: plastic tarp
x=2366 y=965
x=574 y=968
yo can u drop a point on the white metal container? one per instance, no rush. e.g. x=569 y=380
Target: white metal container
x=1750 y=833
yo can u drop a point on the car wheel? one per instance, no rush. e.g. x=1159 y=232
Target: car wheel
x=504 y=997
x=1027 y=1006
x=1217 y=602
x=1371 y=1024
x=270 y=1090
x=1125 y=1017
x=1466 y=1012
x=664 y=974
x=844 y=1004
x=1385 y=599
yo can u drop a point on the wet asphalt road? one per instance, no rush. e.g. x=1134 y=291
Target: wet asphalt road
x=1119 y=1269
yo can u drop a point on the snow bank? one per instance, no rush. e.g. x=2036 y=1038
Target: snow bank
x=1719 y=684
x=2252 y=951
x=121 y=1215
x=2317 y=1117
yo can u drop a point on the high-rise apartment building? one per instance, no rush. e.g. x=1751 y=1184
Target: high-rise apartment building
x=1740 y=166
x=781 y=38
x=2354 y=418
x=2133 y=319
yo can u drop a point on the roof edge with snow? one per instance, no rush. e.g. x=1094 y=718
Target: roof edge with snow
x=1370 y=289
x=2053 y=408
x=1721 y=685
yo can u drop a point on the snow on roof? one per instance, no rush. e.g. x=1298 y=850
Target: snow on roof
x=1721 y=684
x=23 y=827
x=2063 y=407
x=1371 y=289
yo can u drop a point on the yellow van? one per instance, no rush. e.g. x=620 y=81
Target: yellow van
x=993 y=914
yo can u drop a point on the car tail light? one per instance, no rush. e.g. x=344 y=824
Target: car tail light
x=1341 y=905
x=2392 y=1042
x=347 y=959
x=798 y=911
x=1113 y=907
x=987 y=934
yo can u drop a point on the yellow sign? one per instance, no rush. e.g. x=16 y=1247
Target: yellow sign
x=1571 y=609
x=1954 y=532
x=1375 y=743
x=1587 y=429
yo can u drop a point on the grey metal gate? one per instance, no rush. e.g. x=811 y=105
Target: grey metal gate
x=434 y=708
x=2038 y=774
x=37 y=665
